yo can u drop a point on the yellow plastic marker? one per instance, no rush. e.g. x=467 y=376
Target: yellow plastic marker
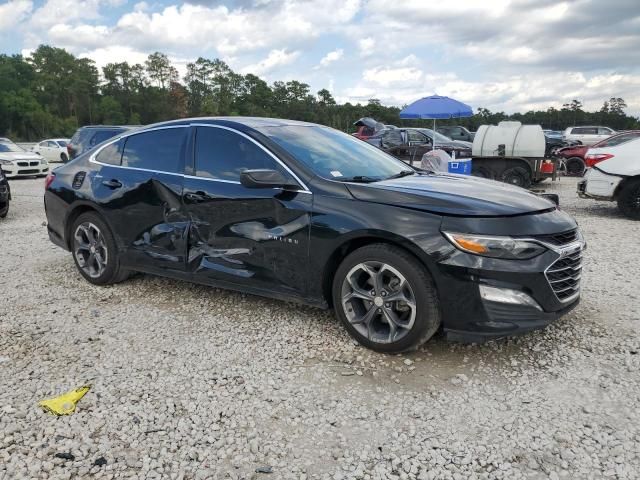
x=65 y=404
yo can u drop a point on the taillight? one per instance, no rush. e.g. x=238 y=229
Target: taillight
x=47 y=181
x=594 y=158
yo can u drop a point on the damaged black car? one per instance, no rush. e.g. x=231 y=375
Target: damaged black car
x=302 y=212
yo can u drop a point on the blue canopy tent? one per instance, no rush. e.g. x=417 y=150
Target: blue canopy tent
x=436 y=107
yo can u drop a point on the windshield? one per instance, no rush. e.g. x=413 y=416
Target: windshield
x=9 y=147
x=335 y=155
x=440 y=138
x=62 y=143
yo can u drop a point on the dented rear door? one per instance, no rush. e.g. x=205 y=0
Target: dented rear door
x=139 y=188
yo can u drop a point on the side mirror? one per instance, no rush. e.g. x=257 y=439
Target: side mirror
x=264 y=178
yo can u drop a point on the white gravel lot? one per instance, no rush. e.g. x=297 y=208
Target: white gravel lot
x=195 y=382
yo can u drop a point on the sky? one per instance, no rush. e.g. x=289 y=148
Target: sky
x=504 y=55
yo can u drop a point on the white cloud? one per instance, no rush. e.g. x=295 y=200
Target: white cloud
x=13 y=12
x=331 y=57
x=386 y=77
x=366 y=45
x=276 y=58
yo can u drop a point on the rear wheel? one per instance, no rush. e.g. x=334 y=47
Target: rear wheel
x=575 y=166
x=517 y=176
x=629 y=199
x=64 y=158
x=386 y=301
x=94 y=250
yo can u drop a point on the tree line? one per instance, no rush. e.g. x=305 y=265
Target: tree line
x=52 y=92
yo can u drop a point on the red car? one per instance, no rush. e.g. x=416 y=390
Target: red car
x=575 y=156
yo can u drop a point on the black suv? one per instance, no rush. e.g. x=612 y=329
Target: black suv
x=89 y=136
x=302 y=212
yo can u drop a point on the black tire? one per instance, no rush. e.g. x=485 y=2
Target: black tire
x=111 y=272
x=64 y=157
x=575 y=166
x=483 y=172
x=629 y=199
x=4 y=211
x=518 y=176
x=420 y=322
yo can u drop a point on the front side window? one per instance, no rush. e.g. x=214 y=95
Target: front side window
x=604 y=131
x=222 y=155
x=158 y=150
x=334 y=155
x=417 y=137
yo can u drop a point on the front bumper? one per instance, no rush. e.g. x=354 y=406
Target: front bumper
x=14 y=170
x=531 y=294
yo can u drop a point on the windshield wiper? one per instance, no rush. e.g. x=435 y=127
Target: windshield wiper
x=359 y=179
x=401 y=174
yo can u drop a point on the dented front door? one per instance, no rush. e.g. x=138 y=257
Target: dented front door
x=256 y=238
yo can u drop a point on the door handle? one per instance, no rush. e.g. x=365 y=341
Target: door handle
x=196 y=197
x=113 y=183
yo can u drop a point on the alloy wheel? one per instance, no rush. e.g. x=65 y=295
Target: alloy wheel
x=379 y=302
x=90 y=249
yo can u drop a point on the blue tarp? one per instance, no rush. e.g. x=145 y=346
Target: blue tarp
x=436 y=107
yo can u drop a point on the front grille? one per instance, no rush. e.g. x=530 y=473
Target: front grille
x=23 y=164
x=564 y=275
x=559 y=238
x=27 y=172
x=34 y=164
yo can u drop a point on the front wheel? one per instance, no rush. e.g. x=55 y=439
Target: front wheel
x=94 y=250
x=385 y=299
x=629 y=199
x=4 y=211
x=64 y=158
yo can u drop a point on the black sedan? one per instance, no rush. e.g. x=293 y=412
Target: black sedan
x=303 y=212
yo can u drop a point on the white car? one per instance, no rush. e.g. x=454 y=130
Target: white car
x=52 y=149
x=587 y=135
x=17 y=162
x=615 y=176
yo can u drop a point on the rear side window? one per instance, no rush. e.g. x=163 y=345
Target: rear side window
x=111 y=154
x=159 y=150
x=222 y=154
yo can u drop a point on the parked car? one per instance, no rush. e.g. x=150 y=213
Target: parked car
x=410 y=144
x=575 y=155
x=553 y=144
x=89 y=136
x=587 y=135
x=5 y=195
x=302 y=212
x=615 y=176
x=52 y=149
x=552 y=133
x=17 y=162
x=456 y=133
x=368 y=127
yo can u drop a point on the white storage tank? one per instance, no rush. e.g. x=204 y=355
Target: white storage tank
x=518 y=140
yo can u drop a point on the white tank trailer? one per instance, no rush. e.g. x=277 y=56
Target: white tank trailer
x=512 y=153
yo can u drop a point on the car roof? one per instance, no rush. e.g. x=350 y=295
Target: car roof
x=251 y=122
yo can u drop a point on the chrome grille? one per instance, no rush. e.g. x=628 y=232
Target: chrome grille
x=559 y=238
x=35 y=163
x=23 y=164
x=564 y=275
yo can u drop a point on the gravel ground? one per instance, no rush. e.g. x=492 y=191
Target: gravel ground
x=195 y=382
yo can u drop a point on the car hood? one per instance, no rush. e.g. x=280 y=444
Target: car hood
x=449 y=194
x=19 y=156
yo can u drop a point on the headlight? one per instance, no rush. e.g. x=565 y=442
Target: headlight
x=6 y=162
x=495 y=247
